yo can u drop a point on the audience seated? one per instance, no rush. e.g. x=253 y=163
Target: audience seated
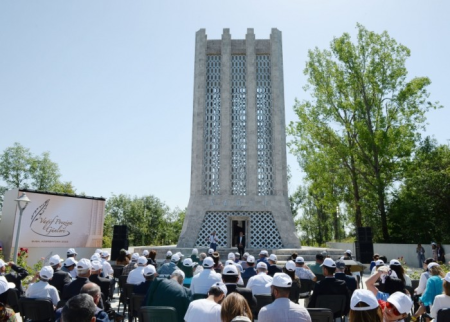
x=259 y=284
x=303 y=271
x=364 y=307
x=207 y=310
x=263 y=257
x=350 y=281
x=60 y=278
x=123 y=258
x=149 y=274
x=103 y=283
x=442 y=301
x=43 y=289
x=132 y=265
x=136 y=275
x=235 y=306
x=202 y=282
x=250 y=270
x=69 y=267
x=273 y=268
x=230 y=277
x=294 y=293
x=80 y=308
x=316 y=268
x=169 y=268
x=19 y=274
x=83 y=271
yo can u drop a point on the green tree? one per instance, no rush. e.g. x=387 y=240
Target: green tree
x=363 y=119
x=15 y=164
x=44 y=172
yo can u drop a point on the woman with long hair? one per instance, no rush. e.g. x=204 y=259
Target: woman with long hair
x=122 y=259
x=235 y=305
x=397 y=267
x=152 y=258
x=364 y=307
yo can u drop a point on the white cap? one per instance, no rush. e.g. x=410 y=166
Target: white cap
x=395 y=262
x=180 y=254
x=175 y=258
x=127 y=252
x=194 y=251
x=95 y=257
x=105 y=254
x=98 y=251
x=178 y=271
x=46 y=272
x=222 y=286
x=169 y=253
x=328 y=262
x=142 y=260
x=231 y=256
x=290 y=266
x=250 y=259
x=96 y=265
x=401 y=301
x=230 y=270
x=149 y=270
x=5 y=285
x=210 y=251
x=71 y=251
x=280 y=280
x=365 y=296
x=229 y=262
x=188 y=262
x=264 y=252
x=134 y=257
x=348 y=251
x=447 y=277
x=299 y=259
x=261 y=265
x=432 y=264
x=273 y=257
x=245 y=255
x=84 y=263
x=54 y=260
x=69 y=262
x=379 y=262
x=145 y=252
x=2 y=263
x=208 y=262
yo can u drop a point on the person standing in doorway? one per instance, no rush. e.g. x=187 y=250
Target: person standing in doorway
x=241 y=244
x=213 y=240
x=420 y=254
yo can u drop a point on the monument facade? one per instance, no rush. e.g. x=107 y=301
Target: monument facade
x=239 y=171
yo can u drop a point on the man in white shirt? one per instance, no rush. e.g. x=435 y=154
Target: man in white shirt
x=43 y=289
x=201 y=283
x=136 y=276
x=207 y=310
x=259 y=284
x=232 y=257
x=213 y=240
x=303 y=271
x=108 y=271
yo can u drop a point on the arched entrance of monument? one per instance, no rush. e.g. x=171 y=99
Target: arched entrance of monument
x=238 y=224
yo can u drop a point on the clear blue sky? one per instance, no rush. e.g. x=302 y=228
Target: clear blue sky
x=107 y=86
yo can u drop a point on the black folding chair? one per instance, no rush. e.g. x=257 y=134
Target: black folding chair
x=40 y=309
x=443 y=315
x=122 y=298
x=321 y=315
x=306 y=286
x=13 y=299
x=199 y=296
x=135 y=306
x=158 y=314
x=261 y=301
x=336 y=303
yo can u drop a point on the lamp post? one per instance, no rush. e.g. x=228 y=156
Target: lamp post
x=337 y=216
x=22 y=203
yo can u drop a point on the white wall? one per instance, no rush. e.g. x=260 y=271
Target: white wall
x=391 y=251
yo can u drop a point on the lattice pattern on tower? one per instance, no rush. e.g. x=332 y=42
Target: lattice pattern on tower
x=211 y=156
x=263 y=229
x=238 y=126
x=264 y=125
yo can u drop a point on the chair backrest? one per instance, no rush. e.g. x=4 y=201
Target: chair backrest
x=36 y=309
x=262 y=300
x=122 y=281
x=128 y=290
x=60 y=304
x=118 y=269
x=13 y=299
x=245 y=281
x=157 y=314
x=320 y=277
x=199 y=296
x=135 y=304
x=336 y=303
x=321 y=315
x=443 y=315
x=414 y=284
x=306 y=285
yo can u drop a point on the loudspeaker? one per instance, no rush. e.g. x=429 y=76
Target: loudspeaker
x=364 y=245
x=120 y=232
x=117 y=245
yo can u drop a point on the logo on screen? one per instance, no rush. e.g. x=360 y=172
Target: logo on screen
x=53 y=226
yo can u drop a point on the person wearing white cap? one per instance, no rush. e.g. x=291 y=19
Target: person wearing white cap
x=378 y=263
x=397 y=267
x=108 y=271
x=43 y=289
x=136 y=275
x=105 y=284
x=168 y=268
x=60 y=278
x=132 y=265
x=364 y=307
x=83 y=271
x=6 y=314
x=347 y=255
x=194 y=255
x=273 y=268
x=282 y=309
x=15 y=277
x=71 y=253
x=232 y=257
x=207 y=310
x=188 y=266
x=263 y=257
x=69 y=266
x=210 y=252
x=330 y=286
x=258 y=282
x=169 y=292
x=294 y=294
x=423 y=277
x=396 y=307
x=303 y=271
x=168 y=257
x=202 y=282
x=243 y=261
x=230 y=276
x=442 y=301
x=149 y=274
x=250 y=270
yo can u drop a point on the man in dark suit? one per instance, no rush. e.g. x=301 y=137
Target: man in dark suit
x=84 y=271
x=17 y=277
x=273 y=268
x=330 y=286
x=230 y=277
x=60 y=278
x=350 y=281
x=241 y=244
x=149 y=273
x=104 y=283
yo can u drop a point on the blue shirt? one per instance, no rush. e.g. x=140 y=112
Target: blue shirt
x=434 y=288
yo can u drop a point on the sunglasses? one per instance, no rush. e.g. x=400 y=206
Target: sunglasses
x=391 y=307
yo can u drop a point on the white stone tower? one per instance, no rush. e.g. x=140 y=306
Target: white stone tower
x=238 y=174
